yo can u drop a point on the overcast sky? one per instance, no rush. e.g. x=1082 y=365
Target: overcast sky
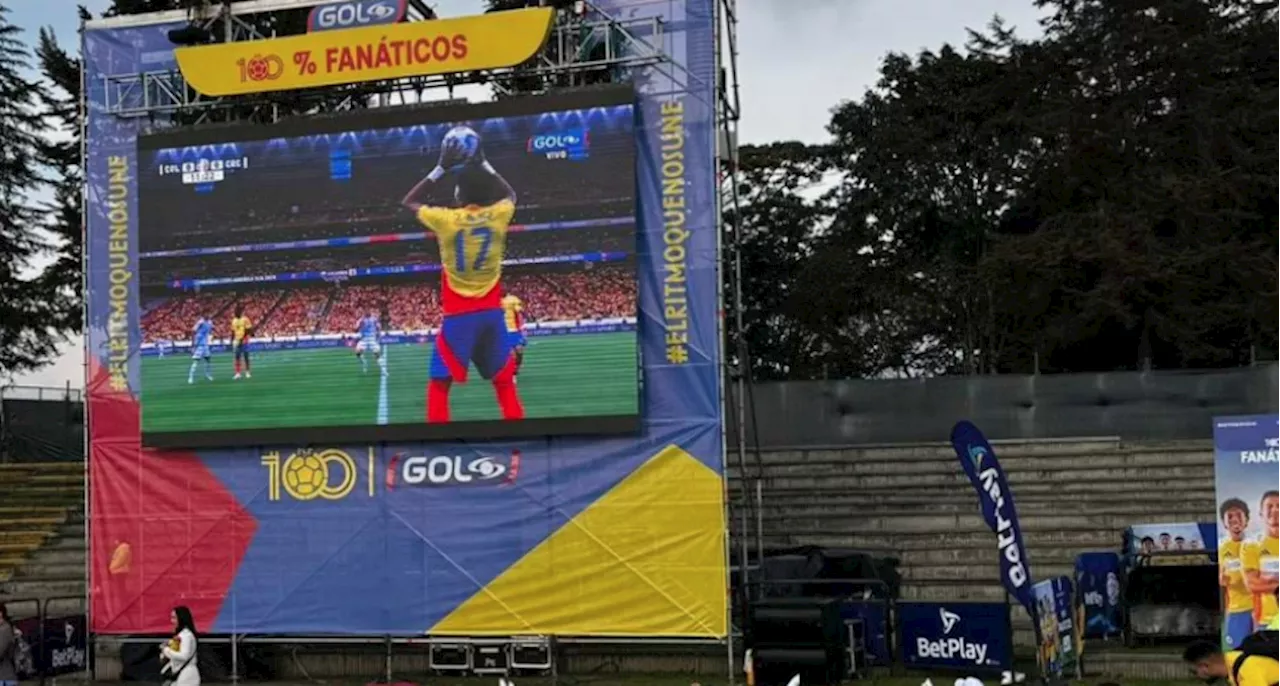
x=798 y=59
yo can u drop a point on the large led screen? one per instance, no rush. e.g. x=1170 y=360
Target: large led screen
x=423 y=273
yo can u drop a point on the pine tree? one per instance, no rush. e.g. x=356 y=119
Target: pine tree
x=26 y=338
x=61 y=152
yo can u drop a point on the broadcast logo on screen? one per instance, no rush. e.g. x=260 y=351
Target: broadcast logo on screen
x=452 y=470
x=561 y=145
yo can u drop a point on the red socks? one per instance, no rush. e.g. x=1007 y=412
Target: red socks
x=508 y=399
x=504 y=387
x=438 y=401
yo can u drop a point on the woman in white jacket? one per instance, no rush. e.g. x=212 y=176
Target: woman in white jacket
x=179 y=652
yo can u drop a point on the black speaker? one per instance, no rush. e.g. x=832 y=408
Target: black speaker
x=802 y=636
x=140 y=661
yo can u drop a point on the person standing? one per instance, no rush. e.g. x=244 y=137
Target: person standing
x=8 y=650
x=179 y=652
x=1237 y=599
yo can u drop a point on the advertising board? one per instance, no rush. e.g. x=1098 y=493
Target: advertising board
x=959 y=636
x=1098 y=585
x=1245 y=478
x=1059 y=654
x=559 y=534
x=356 y=13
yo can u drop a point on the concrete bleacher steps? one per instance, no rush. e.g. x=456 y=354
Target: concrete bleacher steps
x=42 y=544
x=1073 y=496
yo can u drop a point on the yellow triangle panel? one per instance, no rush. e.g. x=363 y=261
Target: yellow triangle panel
x=646 y=559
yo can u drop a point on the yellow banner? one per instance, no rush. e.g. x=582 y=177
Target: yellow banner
x=371 y=53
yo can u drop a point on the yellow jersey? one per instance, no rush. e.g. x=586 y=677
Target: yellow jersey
x=239 y=327
x=1254 y=671
x=1238 y=597
x=473 y=243
x=511 y=312
x=1263 y=556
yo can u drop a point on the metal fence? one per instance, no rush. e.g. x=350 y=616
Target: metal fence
x=1156 y=405
x=51 y=637
x=41 y=424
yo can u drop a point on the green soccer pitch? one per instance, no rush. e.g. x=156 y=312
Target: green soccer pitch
x=574 y=375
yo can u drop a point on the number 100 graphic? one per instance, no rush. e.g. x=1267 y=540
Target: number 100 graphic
x=325 y=475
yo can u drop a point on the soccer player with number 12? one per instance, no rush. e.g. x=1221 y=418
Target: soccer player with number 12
x=473 y=239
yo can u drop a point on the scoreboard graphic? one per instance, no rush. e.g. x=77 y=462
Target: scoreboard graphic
x=249 y=468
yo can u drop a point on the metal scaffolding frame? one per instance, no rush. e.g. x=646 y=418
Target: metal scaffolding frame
x=571 y=58
x=627 y=44
x=739 y=398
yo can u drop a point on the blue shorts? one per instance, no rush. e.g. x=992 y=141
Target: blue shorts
x=478 y=338
x=200 y=351
x=515 y=339
x=1235 y=626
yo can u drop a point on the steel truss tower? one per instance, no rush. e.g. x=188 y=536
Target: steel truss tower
x=626 y=44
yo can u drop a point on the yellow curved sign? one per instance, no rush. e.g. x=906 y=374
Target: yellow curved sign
x=371 y=53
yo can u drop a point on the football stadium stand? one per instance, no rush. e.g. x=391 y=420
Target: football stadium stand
x=42 y=543
x=914 y=502
x=299 y=311
x=600 y=291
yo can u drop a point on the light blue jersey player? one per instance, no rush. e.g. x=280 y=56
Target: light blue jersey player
x=201 y=337
x=370 y=331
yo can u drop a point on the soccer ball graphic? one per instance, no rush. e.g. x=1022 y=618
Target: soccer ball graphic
x=305 y=476
x=461 y=144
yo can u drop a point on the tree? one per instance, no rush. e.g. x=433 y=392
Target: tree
x=1152 y=220
x=770 y=228
x=61 y=280
x=932 y=157
x=1102 y=198
x=26 y=338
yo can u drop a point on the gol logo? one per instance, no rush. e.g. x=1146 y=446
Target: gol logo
x=357 y=13
x=451 y=470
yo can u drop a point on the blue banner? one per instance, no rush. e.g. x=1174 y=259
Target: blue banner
x=956 y=635
x=1098 y=585
x=50 y=647
x=64 y=649
x=980 y=464
x=1059 y=653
